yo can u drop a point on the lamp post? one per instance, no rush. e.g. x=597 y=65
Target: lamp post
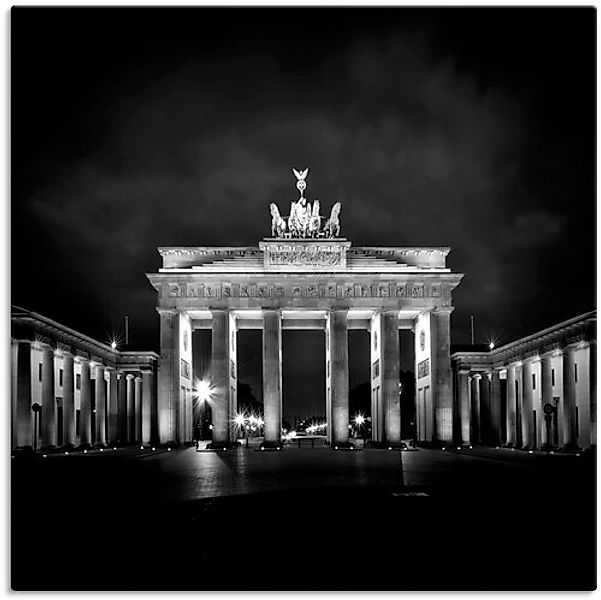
x=36 y=409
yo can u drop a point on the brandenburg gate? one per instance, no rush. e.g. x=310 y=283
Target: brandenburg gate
x=306 y=277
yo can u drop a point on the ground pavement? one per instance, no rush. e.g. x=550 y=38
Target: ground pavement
x=303 y=519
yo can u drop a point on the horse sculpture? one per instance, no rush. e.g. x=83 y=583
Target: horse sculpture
x=332 y=226
x=278 y=224
x=315 y=220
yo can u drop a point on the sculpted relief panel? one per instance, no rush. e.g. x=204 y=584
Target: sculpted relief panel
x=413 y=291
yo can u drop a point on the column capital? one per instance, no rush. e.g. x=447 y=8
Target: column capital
x=464 y=371
x=166 y=311
x=147 y=371
x=137 y=379
x=442 y=310
x=476 y=376
x=129 y=376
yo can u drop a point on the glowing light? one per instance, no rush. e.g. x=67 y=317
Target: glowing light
x=262 y=448
x=530 y=452
x=260 y=422
x=359 y=419
x=141 y=447
x=45 y=456
x=114 y=448
x=114 y=345
x=351 y=448
x=470 y=447
x=203 y=390
x=66 y=454
x=101 y=449
x=444 y=448
x=491 y=345
x=168 y=449
x=239 y=420
x=85 y=451
x=153 y=449
x=458 y=447
x=390 y=447
x=335 y=447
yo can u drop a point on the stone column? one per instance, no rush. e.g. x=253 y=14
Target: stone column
x=68 y=400
x=122 y=407
x=390 y=366
x=147 y=377
x=220 y=364
x=464 y=405
x=495 y=407
x=23 y=410
x=85 y=413
x=113 y=406
x=511 y=404
x=338 y=340
x=100 y=406
x=485 y=420
x=138 y=409
x=169 y=394
x=527 y=424
x=593 y=388
x=131 y=426
x=569 y=400
x=272 y=375
x=48 y=398
x=442 y=377
x=475 y=407
x=546 y=394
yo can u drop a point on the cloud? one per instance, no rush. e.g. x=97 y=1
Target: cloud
x=416 y=151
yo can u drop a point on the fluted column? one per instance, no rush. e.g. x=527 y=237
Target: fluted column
x=593 y=388
x=169 y=395
x=85 y=414
x=138 y=409
x=122 y=407
x=390 y=377
x=495 y=408
x=442 y=377
x=147 y=377
x=272 y=375
x=527 y=422
x=113 y=407
x=100 y=405
x=220 y=364
x=511 y=407
x=464 y=405
x=338 y=351
x=48 y=398
x=569 y=399
x=475 y=407
x=131 y=426
x=23 y=408
x=547 y=397
x=68 y=400
x=485 y=416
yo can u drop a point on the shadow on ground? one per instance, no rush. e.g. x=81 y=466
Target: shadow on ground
x=179 y=521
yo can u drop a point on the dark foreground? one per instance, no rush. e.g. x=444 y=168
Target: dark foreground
x=303 y=520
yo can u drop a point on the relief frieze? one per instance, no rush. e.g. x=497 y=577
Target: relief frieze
x=317 y=290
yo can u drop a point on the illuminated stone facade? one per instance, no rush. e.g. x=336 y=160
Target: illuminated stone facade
x=323 y=284
x=71 y=391
x=537 y=392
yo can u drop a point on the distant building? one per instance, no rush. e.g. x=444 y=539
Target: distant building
x=69 y=390
x=537 y=392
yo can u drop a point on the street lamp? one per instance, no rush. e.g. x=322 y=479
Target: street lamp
x=203 y=392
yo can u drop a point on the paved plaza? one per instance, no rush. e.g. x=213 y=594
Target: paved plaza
x=303 y=519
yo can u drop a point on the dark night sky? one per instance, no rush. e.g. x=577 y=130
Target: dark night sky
x=136 y=128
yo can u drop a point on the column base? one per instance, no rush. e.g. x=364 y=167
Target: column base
x=342 y=446
x=271 y=445
x=222 y=445
x=84 y=446
x=48 y=449
x=571 y=448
